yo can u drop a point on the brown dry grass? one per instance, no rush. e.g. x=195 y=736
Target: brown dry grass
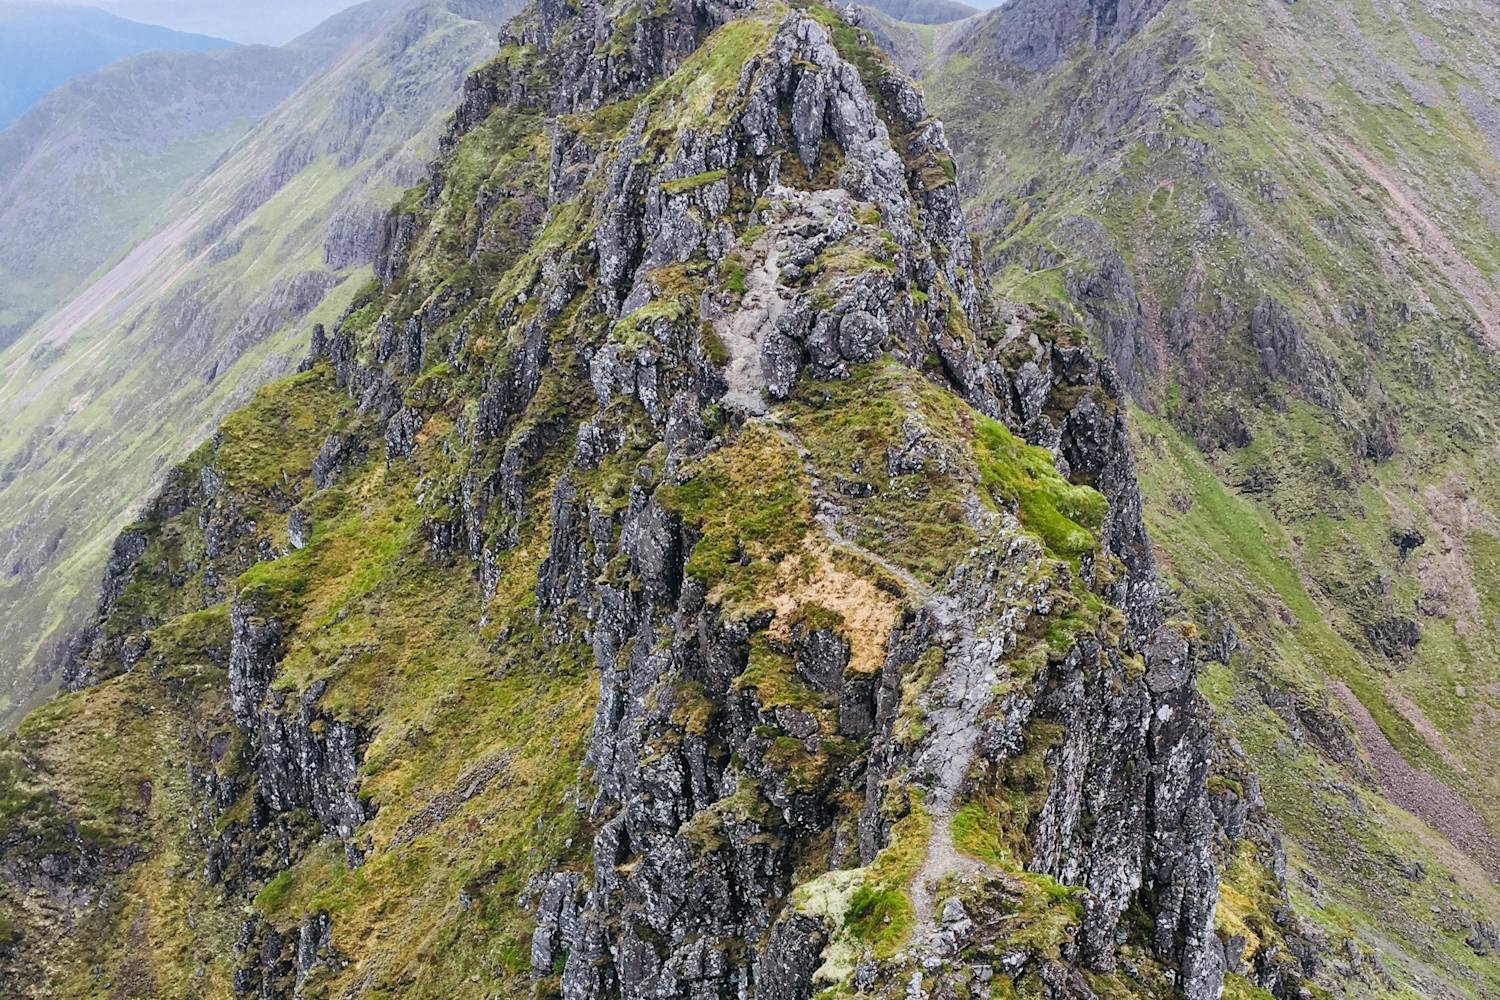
x=870 y=614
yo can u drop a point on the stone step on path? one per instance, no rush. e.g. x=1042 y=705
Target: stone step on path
x=941 y=860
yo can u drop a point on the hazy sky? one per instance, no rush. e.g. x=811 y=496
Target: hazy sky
x=269 y=21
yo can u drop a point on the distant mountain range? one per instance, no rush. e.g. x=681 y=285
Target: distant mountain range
x=42 y=45
x=266 y=22
x=92 y=163
x=273 y=184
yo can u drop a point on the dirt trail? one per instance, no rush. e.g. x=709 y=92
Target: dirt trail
x=941 y=860
x=1418 y=792
x=744 y=333
x=828 y=520
x=956 y=703
x=956 y=706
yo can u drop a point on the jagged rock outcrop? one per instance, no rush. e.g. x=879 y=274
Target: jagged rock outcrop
x=1179 y=212
x=824 y=576
x=304 y=760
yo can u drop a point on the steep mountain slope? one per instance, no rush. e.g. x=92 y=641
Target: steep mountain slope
x=43 y=44
x=661 y=584
x=1282 y=223
x=101 y=396
x=924 y=11
x=93 y=164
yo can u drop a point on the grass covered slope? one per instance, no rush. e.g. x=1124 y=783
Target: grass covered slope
x=90 y=170
x=1280 y=222
x=648 y=587
x=105 y=394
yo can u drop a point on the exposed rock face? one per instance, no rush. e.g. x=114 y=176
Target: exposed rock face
x=1040 y=33
x=353 y=236
x=889 y=697
x=303 y=759
x=1119 y=172
x=226 y=547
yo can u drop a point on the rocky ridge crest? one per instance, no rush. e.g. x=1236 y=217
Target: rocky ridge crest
x=678 y=381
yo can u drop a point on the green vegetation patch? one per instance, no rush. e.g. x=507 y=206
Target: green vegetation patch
x=1248 y=895
x=880 y=912
x=850 y=427
x=748 y=501
x=101 y=776
x=677 y=288
x=271 y=443
x=700 y=92
x=476 y=743
x=1065 y=517
x=977 y=834
x=683 y=185
x=773 y=675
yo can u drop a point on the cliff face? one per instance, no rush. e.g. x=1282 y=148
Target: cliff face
x=676 y=577
x=1279 y=222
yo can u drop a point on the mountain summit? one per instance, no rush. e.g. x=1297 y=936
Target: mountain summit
x=675 y=577
x=710 y=559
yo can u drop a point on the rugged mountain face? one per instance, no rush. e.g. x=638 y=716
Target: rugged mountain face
x=676 y=577
x=1278 y=221
x=102 y=396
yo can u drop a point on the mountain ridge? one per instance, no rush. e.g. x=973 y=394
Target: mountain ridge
x=611 y=405
x=923 y=12
x=36 y=57
x=754 y=539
